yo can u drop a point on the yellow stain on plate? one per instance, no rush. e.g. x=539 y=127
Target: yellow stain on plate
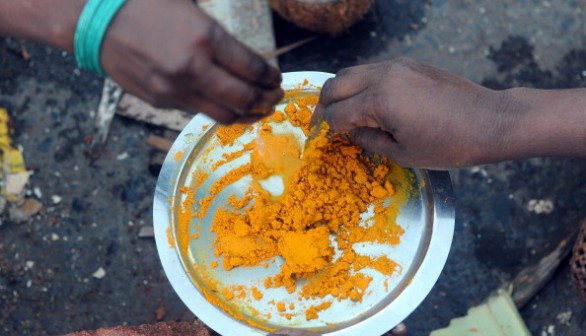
x=178 y=156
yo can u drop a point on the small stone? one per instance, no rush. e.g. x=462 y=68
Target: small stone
x=160 y=313
x=146 y=232
x=540 y=206
x=399 y=330
x=99 y=273
x=29 y=264
x=29 y=283
x=54 y=236
x=122 y=156
x=564 y=318
x=56 y=199
x=26 y=210
x=31 y=207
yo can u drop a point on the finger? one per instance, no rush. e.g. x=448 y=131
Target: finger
x=197 y=103
x=318 y=114
x=248 y=119
x=243 y=62
x=219 y=113
x=376 y=141
x=358 y=69
x=344 y=87
x=337 y=89
x=223 y=88
x=354 y=112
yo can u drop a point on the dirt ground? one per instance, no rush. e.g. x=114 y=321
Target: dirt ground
x=92 y=212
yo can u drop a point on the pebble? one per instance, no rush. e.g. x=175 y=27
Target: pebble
x=565 y=318
x=54 y=237
x=29 y=264
x=540 y=206
x=399 y=330
x=99 y=273
x=56 y=199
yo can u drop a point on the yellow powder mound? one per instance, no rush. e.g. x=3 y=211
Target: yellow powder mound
x=328 y=187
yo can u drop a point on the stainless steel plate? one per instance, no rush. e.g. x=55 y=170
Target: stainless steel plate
x=427 y=218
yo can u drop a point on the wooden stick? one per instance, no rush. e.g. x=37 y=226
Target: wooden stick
x=533 y=278
x=111 y=95
x=160 y=143
x=288 y=48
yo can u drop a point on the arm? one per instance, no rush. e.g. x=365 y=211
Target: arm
x=420 y=116
x=169 y=53
x=551 y=122
x=49 y=22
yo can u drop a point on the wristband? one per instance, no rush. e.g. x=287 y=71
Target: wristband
x=91 y=29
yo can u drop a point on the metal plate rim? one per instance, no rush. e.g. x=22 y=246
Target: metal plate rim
x=378 y=323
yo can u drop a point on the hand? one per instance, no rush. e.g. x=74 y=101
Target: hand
x=415 y=114
x=172 y=55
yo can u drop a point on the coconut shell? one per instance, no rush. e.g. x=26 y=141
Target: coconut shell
x=322 y=16
x=578 y=261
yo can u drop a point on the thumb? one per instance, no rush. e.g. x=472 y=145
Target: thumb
x=376 y=141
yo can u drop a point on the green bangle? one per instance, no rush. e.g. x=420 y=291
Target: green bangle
x=91 y=29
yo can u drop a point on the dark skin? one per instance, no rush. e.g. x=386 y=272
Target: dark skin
x=420 y=116
x=168 y=53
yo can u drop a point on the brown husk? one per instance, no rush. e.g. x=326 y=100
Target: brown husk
x=329 y=17
x=578 y=262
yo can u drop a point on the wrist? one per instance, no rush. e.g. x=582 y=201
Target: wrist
x=63 y=33
x=547 y=123
x=490 y=133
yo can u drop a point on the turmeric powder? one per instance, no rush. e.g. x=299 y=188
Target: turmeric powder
x=313 y=225
x=311 y=313
x=228 y=134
